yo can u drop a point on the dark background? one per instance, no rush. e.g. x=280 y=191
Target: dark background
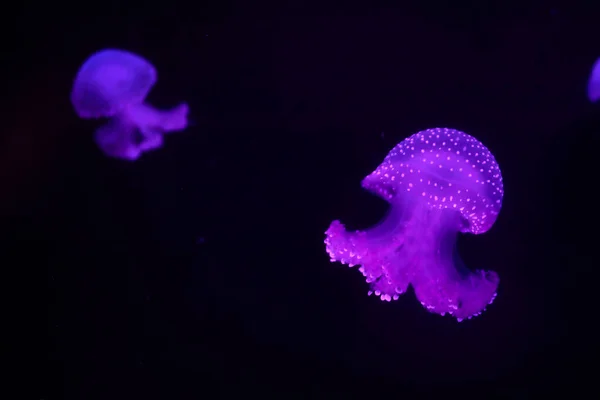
x=200 y=268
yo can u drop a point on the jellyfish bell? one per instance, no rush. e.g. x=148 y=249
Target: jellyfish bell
x=594 y=83
x=445 y=169
x=439 y=182
x=114 y=84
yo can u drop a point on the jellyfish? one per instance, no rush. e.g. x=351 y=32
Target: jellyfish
x=114 y=84
x=438 y=182
x=594 y=83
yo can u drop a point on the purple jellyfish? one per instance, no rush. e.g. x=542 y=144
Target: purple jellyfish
x=594 y=83
x=114 y=84
x=438 y=182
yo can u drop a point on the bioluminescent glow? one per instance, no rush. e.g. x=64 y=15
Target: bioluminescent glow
x=594 y=83
x=439 y=182
x=114 y=84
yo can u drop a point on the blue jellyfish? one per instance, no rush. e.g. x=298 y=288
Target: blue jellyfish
x=594 y=83
x=114 y=84
x=439 y=182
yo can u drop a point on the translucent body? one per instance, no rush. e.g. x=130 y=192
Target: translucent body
x=114 y=84
x=439 y=182
x=594 y=82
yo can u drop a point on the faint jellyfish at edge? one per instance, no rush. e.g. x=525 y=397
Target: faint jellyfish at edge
x=438 y=182
x=114 y=84
x=594 y=83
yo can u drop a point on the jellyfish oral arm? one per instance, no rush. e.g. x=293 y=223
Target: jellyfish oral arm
x=151 y=120
x=419 y=249
x=117 y=139
x=442 y=283
x=151 y=139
